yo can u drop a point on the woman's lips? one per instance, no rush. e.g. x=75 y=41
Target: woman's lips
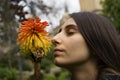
x=58 y=51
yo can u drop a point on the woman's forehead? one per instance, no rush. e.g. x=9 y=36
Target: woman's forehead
x=69 y=21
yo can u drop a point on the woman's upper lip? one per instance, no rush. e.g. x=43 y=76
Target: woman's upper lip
x=57 y=49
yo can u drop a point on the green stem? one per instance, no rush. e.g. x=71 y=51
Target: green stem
x=37 y=71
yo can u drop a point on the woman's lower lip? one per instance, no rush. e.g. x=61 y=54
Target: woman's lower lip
x=57 y=52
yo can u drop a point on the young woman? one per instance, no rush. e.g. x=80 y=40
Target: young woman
x=88 y=46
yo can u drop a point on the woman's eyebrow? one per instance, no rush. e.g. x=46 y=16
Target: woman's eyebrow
x=71 y=26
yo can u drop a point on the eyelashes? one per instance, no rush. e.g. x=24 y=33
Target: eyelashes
x=59 y=30
x=70 y=32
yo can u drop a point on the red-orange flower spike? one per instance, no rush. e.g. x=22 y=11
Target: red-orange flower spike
x=32 y=36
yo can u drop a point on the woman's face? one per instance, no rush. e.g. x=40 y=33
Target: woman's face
x=70 y=46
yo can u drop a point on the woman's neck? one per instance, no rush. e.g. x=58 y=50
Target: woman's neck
x=87 y=71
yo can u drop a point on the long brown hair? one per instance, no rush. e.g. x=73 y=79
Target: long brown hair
x=101 y=37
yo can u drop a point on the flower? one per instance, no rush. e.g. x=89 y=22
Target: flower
x=32 y=37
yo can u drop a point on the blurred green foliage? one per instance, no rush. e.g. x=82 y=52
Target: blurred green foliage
x=8 y=74
x=111 y=9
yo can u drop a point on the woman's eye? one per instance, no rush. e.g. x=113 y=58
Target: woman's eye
x=70 y=32
x=59 y=30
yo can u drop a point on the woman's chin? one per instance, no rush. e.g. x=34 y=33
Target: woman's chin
x=58 y=63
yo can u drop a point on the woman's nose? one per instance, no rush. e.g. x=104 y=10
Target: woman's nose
x=56 y=40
